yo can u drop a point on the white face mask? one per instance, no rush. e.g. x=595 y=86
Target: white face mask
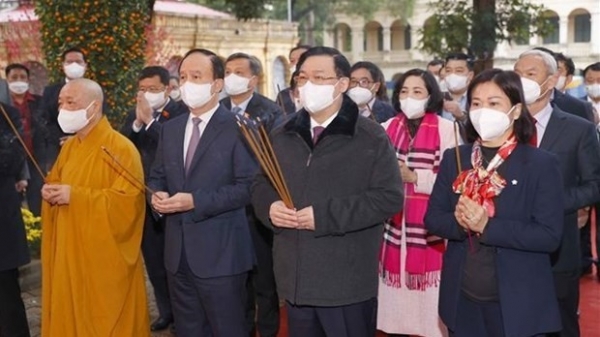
x=532 y=90
x=195 y=95
x=155 y=100
x=360 y=96
x=236 y=85
x=560 y=84
x=443 y=86
x=490 y=123
x=71 y=121
x=456 y=82
x=74 y=70
x=316 y=98
x=593 y=90
x=413 y=108
x=292 y=69
x=18 y=88
x=175 y=94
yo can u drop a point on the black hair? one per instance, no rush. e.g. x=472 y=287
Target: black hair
x=255 y=66
x=218 y=67
x=461 y=57
x=161 y=72
x=13 y=66
x=377 y=76
x=436 y=98
x=293 y=80
x=74 y=50
x=300 y=46
x=435 y=62
x=568 y=62
x=560 y=57
x=592 y=67
x=510 y=83
x=340 y=62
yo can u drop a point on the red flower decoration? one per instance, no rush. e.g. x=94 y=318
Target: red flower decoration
x=165 y=114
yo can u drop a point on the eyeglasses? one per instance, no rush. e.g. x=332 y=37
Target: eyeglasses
x=152 y=89
x=302 y=79
x=363 y=83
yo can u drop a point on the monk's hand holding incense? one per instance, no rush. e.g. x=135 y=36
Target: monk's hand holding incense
x=281 y=216
x=180 y=202
x=56 y=194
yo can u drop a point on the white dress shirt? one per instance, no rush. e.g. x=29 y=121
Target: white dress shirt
x=542 y=119
x=205 y=117
x=367 y=109
x=325 y=124
x=462 y=103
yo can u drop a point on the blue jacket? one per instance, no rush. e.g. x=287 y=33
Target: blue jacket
x=527 y=227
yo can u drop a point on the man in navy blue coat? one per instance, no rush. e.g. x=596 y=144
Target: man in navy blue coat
x=202 y=172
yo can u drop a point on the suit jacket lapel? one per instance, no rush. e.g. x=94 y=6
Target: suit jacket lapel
x=553 y=131
x=209 y=135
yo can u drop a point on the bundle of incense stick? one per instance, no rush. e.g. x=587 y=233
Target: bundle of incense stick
x=259 y=142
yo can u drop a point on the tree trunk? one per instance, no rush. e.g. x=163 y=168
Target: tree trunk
x=483 y=33
x=309 y=29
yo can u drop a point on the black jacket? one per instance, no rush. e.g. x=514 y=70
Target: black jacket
x=352 y=181
x=573 y=105
x=573 y=140
x=284 y=99
x=14 y=251
x=146 y=141
x=49 y=110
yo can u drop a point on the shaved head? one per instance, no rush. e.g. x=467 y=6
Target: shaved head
x=80 y=94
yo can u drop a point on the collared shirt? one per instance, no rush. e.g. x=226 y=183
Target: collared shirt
x=205 y=117
x=325 y=124
x=368 y=109
x=462 y=103
x=137 y=128
x=243 y=106
x=542 y=119
x=596 y=105
x=26 y=118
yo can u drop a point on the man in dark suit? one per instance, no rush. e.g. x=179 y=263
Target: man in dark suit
x=242 y=72
x=567 y=103
x=14 y=251
x=142 y=127
x=202 y=172
x=287 y=97
x=34 y=131
x=573 y=140
x=74 y=66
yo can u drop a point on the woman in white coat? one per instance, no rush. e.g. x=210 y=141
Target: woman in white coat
x=411 y=259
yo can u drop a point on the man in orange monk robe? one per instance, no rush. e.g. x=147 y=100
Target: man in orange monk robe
x=93 y=214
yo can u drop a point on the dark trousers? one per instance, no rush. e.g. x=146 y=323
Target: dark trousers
x=586 y=242
x=13 y=319
x=153 y=250
x=354 y=320
x=208 y=307
x=567 y=292
x=478 y=319
x=33 y=195
x=263 y=302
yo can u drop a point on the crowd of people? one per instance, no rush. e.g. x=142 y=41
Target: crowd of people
x=458 y=207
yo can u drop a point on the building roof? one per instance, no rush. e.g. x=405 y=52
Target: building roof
x=170 y=7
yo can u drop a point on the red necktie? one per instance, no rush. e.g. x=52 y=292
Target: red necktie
x=533 y=139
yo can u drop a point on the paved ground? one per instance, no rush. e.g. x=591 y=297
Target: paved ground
x=33 y=303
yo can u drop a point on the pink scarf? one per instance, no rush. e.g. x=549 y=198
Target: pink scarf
x=424 y=251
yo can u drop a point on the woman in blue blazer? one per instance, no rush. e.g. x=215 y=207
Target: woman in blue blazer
x=502 y=217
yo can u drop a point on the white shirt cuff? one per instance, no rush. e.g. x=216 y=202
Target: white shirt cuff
x=148 y=125
x=136 y=128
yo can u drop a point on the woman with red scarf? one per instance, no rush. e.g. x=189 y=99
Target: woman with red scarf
x=500 y=206
x=411 y=258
